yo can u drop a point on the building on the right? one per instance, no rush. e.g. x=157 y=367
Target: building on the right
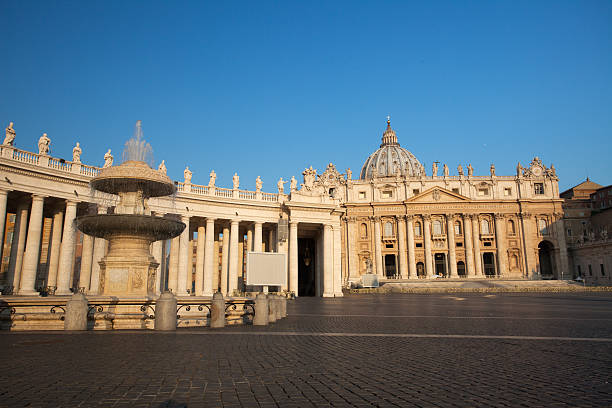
x=588 y=226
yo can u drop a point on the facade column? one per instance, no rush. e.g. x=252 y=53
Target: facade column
x=450 y=235
x=98 y=253
x=209 y=257
x=427 y=242
x=86 y=260
x=233 y=260
x=173 y=264
x=293 y=257
x=337 y=258
x=271 y=241
x=531 y=270
x=564 y=272
x=328 y=278
x=257 y=239
x=412 y=273
x=469 y=251
x=250 y=239
x=199 y=279
x=401 y=232
x=66 y=257
x=476 y=238
x=54 y=251
x=500 y=242
x=352 y=257
x=17 y=246
x=224 y=259
x=183 y=261
x=3 y=198
x=377 y=247
x=32 y=250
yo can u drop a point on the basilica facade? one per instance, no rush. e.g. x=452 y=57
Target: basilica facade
x=395 y=221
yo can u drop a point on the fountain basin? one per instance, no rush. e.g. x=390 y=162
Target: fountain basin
x=147 y=226
x=133 y=176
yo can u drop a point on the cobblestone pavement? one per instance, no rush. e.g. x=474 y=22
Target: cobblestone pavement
x=505 y=350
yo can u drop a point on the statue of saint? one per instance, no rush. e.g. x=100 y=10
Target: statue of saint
x=9 y=139
x=492 y=170
x=470 y=170
x=309 y=177
x=108 y=159
x=423 y=170
x=519 y=170
x=434 y=169
x=349 y=174
x=293 y=184
x=460 y=169
x=76 y=153
x=281 y=186
x=258 y=184
x=553 y=171
x=187 y=174
x=213 y=178
x=236 y=181
x=43 y=144
x=445 y=168
x=162 y=167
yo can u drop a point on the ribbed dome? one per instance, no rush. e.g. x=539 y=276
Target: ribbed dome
x=389 y=157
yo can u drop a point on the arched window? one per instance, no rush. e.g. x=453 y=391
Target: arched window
x=363 y=230
x=458 y=228
x=511 y=227
x=388 y=230
x=417 y=229
x=543 y=226
x=437 y=227
x=484 y=227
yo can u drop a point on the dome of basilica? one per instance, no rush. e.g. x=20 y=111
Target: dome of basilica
x=390 y=158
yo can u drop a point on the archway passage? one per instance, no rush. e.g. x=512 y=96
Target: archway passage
x=306 y=267
x=488 y=260
x=440 y=260
x=545 y=251
x=390 y=268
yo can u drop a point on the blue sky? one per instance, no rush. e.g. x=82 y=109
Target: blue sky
x=269 y=88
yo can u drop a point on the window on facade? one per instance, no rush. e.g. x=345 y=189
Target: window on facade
x=508 y=191
x=389 y=246
x=483 y=191
x=601 y=268
x=363 y=230
x=459 y=244
x=387 y=194
x=415 y=191
x=543 y=226
x=590 y=270
x=461 y=268
x=456 y=190
x=457 y=228
x=388 y=229
x=437 y=227
x=484 y=227
x=362 y=195
x=417 y=229
x=511 y=227
x=419 y=245
x=538 y=188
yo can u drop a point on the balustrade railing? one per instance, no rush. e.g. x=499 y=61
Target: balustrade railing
x=59 y=164
x=247 y=195
x=224 y=192
x=269 y=197
x=25 y=157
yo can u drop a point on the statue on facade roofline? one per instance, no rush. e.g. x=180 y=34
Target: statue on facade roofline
x=187 y=174
x=470 y=170
x=9 y=139
x=281 y=185
x=460 y=169
x=349 y=174
x=236 y=181
x=445 y=169
x=162 y=167
x=492 y=170
x=434 y=169
x=519 y=170
x=108 y=159
x=258 y=184
x=293 y=185
x=213 y=178
x=43 y=144
x=76 y=153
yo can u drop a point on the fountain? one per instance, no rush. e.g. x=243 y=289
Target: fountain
x=129 y=269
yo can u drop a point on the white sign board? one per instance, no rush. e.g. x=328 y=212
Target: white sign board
x=266 y=269
x=369 y=280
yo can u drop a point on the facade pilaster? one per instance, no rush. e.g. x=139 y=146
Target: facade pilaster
x=565 y=272
x=199 y=268
x=86 y=261
x=412 y=273
x=427 y=243
x=32 y=249
x=328 y=278
x=401 y=232
x=293 y=257
x=210 y=260
x=233 y=260
x=3 y=199
x=225 y=258
x=18 y=246
x=183 y=261
x=257 y=239
x=530 y=259
x=337 y=265
x=378 y=247
x=54 y=251
x=469 y=250
x=98 y=253
x=500 y=238
x=66 y=257
x=450 y=235
x=476 y=240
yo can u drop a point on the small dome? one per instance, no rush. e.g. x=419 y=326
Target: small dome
x=390 y=157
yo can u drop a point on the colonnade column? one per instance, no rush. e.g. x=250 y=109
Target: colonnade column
x=450 y=234
x=224 y=259
x=54 y=251
x=412 y=273
x=328 y=278
x=401 y=231
x=209 y=256
x=377 y=247
x=3 y=198
x=86 y=260
x=352 y=257
x=250 y=239
x=257 y=239
x=17 y=246
x=502 y=263
x=476 y=237
x=32 y=250
x=173 y=264
x=98 y=253
x=427 y=243
x=199 y=278
x=183 y=262
x=233 y=260
x=469 y=252
x=66 y=250
x=337 y=265
x=293 y=257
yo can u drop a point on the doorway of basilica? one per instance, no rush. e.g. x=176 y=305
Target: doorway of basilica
x=440 y=264
x=390 y=266
x=306 y=267
x=488 y=261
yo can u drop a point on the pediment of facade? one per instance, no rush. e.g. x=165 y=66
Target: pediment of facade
x=437 y=195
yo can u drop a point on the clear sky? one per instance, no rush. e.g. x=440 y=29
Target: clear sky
x=269 y=88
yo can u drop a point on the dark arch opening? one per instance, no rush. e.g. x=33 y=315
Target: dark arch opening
x=545 y=252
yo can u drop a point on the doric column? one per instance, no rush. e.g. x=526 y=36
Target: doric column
x=412 y=273
x=257 y=239
x=427 y=242
x=328 y=277
x=173 y=264
x=32 y=250
x=66 y=257
x=86 y=260
x=184 y=256
x=469 y=251
x=250 y=239
x=352 y=257
x=98 y=253
x=500 y=241
x=377 y=247
x=210 y=260
x=17 y=246
x=199 y=279
x=401 y=232
x=476 y=238
x=293 y=257
x=224 y=258
x=337 y=264
x=562 y=261
x=271 y=241
x=3 y=198
x=450 y=235
x=233 y=260
x=54 y=251
x=158 y=253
